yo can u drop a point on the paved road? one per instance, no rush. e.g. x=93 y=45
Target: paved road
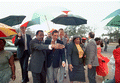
x=99 y=79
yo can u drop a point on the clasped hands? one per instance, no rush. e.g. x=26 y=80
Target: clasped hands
x=57 y=45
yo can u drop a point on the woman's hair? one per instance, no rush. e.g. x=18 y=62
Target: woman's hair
x=76 y=36
x=119 y=41
x=3 y=41
x=97 y=39
x=117 y=46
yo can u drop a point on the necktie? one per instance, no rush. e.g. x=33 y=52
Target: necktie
x=23 y=38
x=25 y=41
x=53 y=42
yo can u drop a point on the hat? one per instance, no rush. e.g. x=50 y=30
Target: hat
x=84 y=38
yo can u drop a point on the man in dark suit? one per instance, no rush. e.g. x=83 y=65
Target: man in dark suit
x=62 y=72
x=53 y=58
x=38 y=62
x=91 y=58
x=22 y=42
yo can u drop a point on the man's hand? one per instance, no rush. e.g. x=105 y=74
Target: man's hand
x=19 y=35
x=63 y=63
x=52 y=42
x=70 y=67
x=58 y=46
x=89 y=66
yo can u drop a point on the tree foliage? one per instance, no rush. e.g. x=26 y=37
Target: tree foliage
x=81 y=30
x=113 y=32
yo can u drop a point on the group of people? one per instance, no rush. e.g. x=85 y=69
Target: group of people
x=52 y=55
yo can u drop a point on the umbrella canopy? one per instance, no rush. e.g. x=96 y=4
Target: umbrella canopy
x=6 y=30
x=69 y=19
x=32 y=22
x=46 y=13
x=13 y=39
x=12 y=20
x=115 y=13
x=115 y=22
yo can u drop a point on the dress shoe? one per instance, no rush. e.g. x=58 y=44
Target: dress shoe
x=25 y=81
x=65 y=76
x=55 y=81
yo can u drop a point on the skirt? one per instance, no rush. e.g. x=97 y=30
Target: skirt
x=77 y=74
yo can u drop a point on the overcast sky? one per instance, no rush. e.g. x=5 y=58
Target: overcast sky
x=93 y=11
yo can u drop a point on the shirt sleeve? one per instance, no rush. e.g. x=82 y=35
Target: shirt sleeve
x=50 y=47
x=9 y=54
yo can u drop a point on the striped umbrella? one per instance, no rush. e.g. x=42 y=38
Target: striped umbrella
x=31 y=22
x=48 y=13
x=113 y=14
x=115 y=22
x=6 y=30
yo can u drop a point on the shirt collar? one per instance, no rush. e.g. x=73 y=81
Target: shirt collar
x=91 y=39
x=39 y=40
x=55 y=41
x=23 y=34
x=60 y=38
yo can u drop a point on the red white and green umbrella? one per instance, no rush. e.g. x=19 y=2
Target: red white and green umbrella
x=115 y=22
x=6 y=30
x=31 y=22
x=115 y=13
x=47 y=13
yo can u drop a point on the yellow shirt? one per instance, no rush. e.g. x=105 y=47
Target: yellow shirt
x=80 y=51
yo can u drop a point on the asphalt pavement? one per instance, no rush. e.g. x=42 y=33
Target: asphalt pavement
x=99 y=79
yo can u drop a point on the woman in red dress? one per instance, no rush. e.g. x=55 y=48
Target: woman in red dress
x=116 y=54
x=102 y=69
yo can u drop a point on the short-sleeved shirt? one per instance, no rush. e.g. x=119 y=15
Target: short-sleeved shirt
x=5 y=70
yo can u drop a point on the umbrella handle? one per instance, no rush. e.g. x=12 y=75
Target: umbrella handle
x=47 y=22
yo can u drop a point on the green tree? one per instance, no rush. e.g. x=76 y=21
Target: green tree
x=71 y=30
x=81 y=30
x=113 y=32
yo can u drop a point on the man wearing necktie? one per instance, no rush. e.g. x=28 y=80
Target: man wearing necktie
x=38 y=62
x=91 y=58
x=53 y=58
x=22 y=41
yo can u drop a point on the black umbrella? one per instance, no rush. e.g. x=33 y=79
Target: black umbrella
x=69 y=20
x=12 y=20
